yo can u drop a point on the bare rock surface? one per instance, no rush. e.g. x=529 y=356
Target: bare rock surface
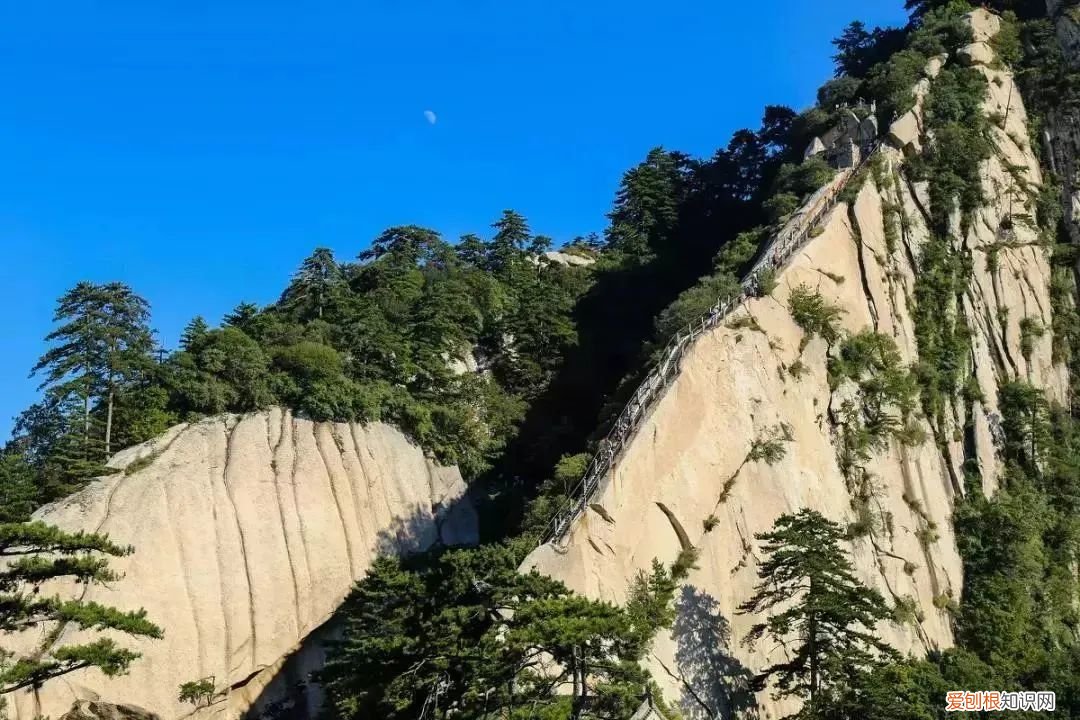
x=934 y=65
x=569 y=259
x=249 y=532
x=90 y=710
x=983 y=23
x=976 y=54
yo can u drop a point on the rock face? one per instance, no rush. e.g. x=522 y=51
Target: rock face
x=1063 y=120
x=90 y=710
x=976 y=54
x=249 y=531
x=984 y=25
x=569 y=259
x=737 y=385
x=1067 y=26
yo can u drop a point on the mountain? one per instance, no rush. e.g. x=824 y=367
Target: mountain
x=515 y=482
x=691 y=459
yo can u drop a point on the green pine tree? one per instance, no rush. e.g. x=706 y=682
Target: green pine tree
x=826 y=624
x=103 y=343
x=193 y=332
x=647 y=204
x=542 y=328
x=243 y=317
x=465 y=635
x=315 y=285
x=51 y=435
x=220 y=370
x=19 y=492
x=507 y=250
x=37 y=554
x=470 y=250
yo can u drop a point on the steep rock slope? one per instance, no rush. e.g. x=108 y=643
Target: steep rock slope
x=1063 y=117
x=249 y=531
x=736 y=386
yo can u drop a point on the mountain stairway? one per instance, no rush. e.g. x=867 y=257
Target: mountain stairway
x=778 y=253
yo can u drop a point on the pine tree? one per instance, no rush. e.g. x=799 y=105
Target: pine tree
x=446 y=323
x=595 y=649
x=19 y=492
x=1025 y=424
x=742 y=165
x=404 y=246
x=50 y=436
x=851 y=48
x=827 y=622
x=388 y=287
x=314 y=285
x=647 y=204
x=221 y=370
x=470 y=250
x=465 y=635
x=506 y=251
x=649 y=601
x=539 y=244
x=37 y=554
x=104 y=341
x=775 y=133
x=243 y=316
x=542 y=329
x=193 y=332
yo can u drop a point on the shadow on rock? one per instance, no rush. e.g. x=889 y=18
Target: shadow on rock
x=291 y=692
x=713 y=677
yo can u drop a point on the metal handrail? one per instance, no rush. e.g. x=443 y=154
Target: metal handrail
x=785 y=244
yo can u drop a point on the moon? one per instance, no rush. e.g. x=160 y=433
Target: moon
x=431 y=117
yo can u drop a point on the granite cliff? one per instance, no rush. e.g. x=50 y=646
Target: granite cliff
x=249 y=531
x=689 y=465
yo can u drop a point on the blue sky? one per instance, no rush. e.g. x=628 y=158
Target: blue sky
x=199 y=150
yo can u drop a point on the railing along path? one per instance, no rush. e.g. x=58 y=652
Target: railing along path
x=791 y=239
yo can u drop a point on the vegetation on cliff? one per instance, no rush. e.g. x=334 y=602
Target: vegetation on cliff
x=1016 y=624
x=511 y=366
x=463 y=629
x=808 y=590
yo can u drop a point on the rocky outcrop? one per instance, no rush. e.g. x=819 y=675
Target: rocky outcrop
x=249 y=532
x=565 y=259
x=976 y=54
x=90 y=710
x=905 y=132
x=468 y=362
x=984 y=25
x=569 y=259
x=690 y=461
x=935 y=65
